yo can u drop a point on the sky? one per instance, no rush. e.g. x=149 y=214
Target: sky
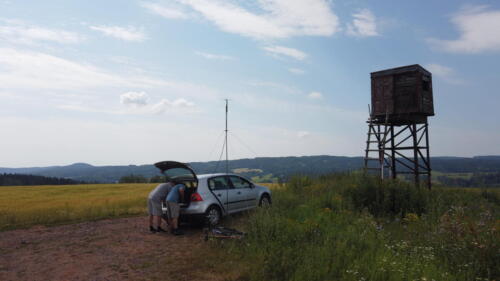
x=135 y=82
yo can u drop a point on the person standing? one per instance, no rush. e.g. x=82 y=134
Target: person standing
x=155 y=199
x=174 y=197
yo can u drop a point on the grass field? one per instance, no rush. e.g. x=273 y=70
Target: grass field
x=354 y=228
x=24 y=206
x=337 y=227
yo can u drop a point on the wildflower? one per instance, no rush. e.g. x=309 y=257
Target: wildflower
x=410 y=217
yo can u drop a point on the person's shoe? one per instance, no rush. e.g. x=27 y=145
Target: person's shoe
x=159 y=229
x=152 y=229
x=177 y=232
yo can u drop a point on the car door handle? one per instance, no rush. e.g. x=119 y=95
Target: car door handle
x=219 y=194
x=239 y=192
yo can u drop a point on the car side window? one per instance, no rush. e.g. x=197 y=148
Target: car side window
x=240 y=182
x=218 y=183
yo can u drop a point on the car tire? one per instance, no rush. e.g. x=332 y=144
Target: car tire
x=213 y=215
x=265 y=201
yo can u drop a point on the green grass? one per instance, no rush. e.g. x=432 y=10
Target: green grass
x=346 y=227
x=24 y=206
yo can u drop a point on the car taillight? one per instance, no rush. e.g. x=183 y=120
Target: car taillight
x=195 y=197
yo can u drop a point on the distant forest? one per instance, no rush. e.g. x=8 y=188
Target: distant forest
x=479 y=171
x=476 y=180
x=17 y=179
x=141 y=179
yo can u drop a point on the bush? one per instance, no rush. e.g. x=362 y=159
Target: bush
x=387 y=197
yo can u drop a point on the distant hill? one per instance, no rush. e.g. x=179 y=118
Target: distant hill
x=261 y=168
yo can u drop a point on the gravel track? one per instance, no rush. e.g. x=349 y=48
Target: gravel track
x=114 y=249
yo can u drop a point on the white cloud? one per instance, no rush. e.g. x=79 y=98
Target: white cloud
x=21 y=33
x=210 y=56
x=166 y=12
x=285 y=51
x=166 y=105
x=297 y=71
x=276 y=19
x=134 y=98
x=124 y=33
x=35 y=70
x=303 y=134
x=315 y=95
x=37 y=75
x=444 y=72
x=137 y=104
x=364 y=24
x=479 y=31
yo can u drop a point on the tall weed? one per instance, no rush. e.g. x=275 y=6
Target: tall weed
x=353 y=227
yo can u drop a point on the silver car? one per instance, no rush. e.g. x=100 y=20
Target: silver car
x=209 y=197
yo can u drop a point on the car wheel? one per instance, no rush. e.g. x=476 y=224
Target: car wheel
x=213 y=215
x=265 y=201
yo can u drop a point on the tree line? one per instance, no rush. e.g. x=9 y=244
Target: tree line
x=476 y=180
x=141 y=179
x=20 y=179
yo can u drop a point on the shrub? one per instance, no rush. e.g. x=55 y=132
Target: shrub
x=387 y=197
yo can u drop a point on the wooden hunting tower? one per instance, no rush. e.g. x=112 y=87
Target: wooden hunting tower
x=401 y=101
x=404 y=94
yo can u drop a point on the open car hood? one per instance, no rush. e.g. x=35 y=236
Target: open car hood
x=178 y=171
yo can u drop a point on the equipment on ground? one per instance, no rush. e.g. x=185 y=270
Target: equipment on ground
x=221 y=232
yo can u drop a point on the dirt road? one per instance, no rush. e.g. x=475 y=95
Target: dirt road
x=118 y=249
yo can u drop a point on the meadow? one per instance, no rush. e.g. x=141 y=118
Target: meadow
x=336 y=227
x=351 y=227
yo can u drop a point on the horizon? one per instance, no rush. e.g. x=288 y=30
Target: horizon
x=134 y=81
x=189 y=162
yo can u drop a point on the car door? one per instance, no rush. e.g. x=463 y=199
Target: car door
x=220 y=187
x=243 y=190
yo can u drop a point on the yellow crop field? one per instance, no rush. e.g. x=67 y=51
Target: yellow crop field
x=24 y=206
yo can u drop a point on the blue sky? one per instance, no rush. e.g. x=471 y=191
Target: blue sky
x=135 y=82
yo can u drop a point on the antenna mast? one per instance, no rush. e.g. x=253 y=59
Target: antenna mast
x=227 y=158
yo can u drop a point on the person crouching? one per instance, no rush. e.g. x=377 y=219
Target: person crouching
x=174 y=197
